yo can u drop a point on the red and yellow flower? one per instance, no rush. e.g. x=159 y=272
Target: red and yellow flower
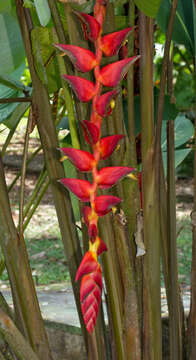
x=102 y=104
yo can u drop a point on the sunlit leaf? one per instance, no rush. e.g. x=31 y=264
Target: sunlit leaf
x=43 y=11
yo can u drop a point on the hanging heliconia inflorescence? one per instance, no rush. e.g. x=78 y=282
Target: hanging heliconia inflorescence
x=102 y=105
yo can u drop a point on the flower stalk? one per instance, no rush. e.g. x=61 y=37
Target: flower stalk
x=101 y=147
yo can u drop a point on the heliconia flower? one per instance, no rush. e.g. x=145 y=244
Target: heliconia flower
x=81 y=188
x=90 y=297
x=111 y=43
x=112 y=74
x=108 y=145
x=83 y=88
x=105 y=203
x=109 y=176
x=83 y=160
x=84 y=60
x=91 y=132
x=104 y=104
x=90 y=26
x=88 y=264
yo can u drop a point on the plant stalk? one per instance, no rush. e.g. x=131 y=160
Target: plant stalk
x=50 y=144
x=152 y=337
x=191 y=331
x=28 y=315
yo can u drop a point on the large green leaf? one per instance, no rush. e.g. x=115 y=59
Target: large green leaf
x=183 y=130
x=43 y=11
x=7 y=92
x=149 y=7
x=13 y=83
x=183 y=32
x=45 y=60
x=16 y=115
x=11 y=44
x=169 y=113
x=180 y=155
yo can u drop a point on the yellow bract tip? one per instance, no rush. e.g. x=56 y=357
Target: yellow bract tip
x=112 y=103
x=63 y=158
x=114 y=210
x=132 y=176
x=125 y=42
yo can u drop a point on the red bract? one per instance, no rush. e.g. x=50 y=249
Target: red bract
x=101 y=247
x=81 y=188
x=105 y=203
x=112 y=74
x=109 y=176
x=103 y=105
x=90 y=297
x=108 y=145
x=90 y=25
x=83 y=160
x=91 y=132
x=87 y=265
x=83 y=88
x=111 y=43
x=90 y=219
x=84 y=60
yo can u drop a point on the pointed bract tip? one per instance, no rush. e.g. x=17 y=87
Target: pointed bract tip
x=112 y=74
x=83 y=88
x=111 y=43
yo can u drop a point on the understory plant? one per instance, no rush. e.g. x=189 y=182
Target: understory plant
x=103 y=101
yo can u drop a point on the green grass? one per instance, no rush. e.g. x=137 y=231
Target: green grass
x=51 y=266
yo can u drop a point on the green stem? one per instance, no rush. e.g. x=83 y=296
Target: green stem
x=175 y=326
x=131 y=318
x=28 y=315
x=49 y=142
x=8 y=139
x=23 y=173
x=36 y=204
x=130 y=76
x=19 y=173
x=191 y=332
x=68 y=101
x=114 y=286
x=35 y=192
x=174 y=305
x=152 y=338
x=59 y=35
x=163 y=79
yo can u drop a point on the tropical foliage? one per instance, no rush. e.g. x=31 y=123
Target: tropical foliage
x=96 y=70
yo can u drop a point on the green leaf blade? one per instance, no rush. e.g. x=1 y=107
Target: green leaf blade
x=148 y=7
